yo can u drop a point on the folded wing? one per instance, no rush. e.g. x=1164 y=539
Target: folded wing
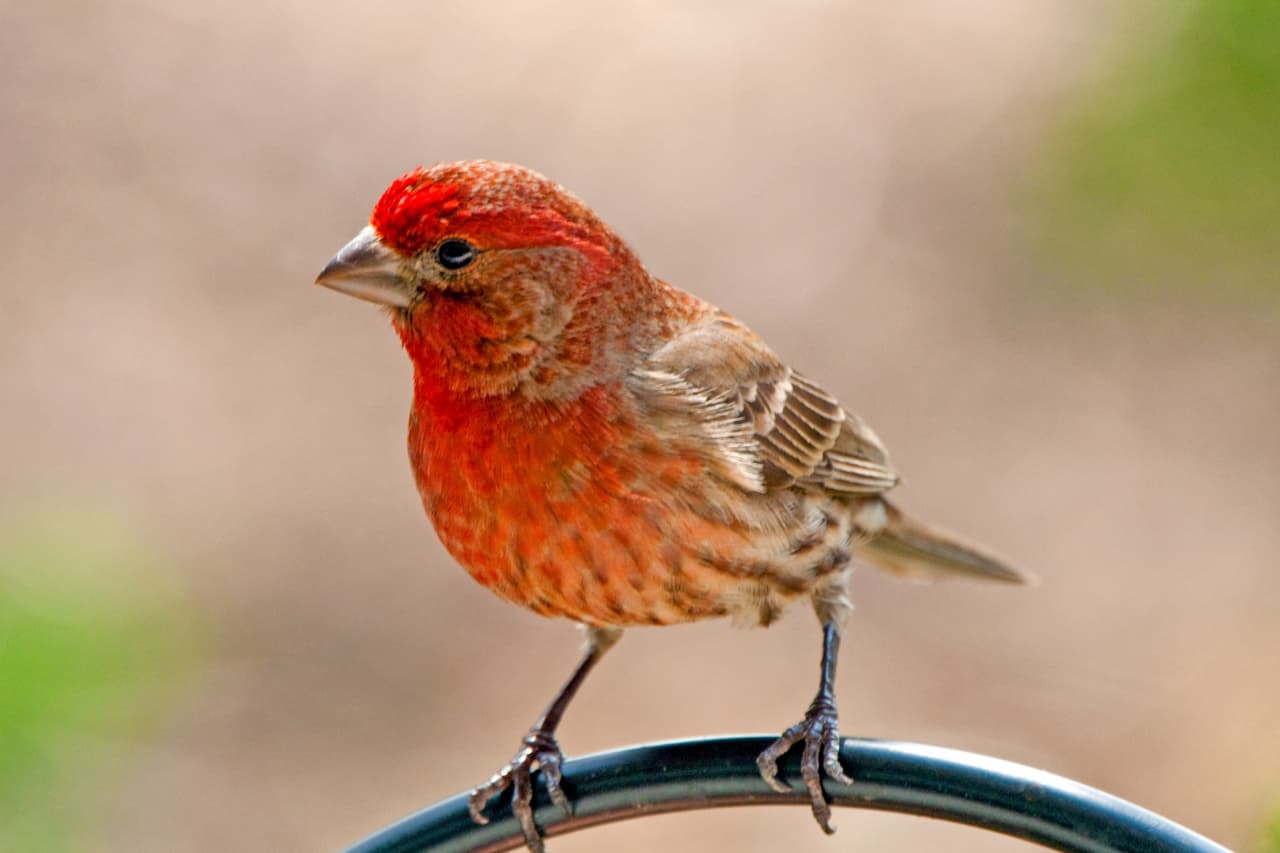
x=768 y=426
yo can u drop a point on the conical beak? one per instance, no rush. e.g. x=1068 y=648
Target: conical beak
x=367 y=269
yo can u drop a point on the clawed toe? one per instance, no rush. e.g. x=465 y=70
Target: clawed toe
x=540 y=754
x=820 y=734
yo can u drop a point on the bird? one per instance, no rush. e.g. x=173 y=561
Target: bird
x=595 y=444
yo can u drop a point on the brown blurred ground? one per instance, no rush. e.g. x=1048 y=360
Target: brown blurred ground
x=843 y=178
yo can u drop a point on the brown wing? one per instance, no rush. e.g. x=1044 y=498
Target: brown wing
x=778 y=428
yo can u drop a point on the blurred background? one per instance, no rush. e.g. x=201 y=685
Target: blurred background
x=1032 y=243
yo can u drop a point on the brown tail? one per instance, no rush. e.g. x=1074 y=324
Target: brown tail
x=912 y=550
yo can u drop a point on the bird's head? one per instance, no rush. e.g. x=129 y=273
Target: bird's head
x=496 y=277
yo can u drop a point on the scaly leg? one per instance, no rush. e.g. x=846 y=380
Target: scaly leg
x=819 y=731
x=540 y=751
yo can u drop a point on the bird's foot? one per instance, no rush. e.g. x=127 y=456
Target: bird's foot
x=540 y=752
x=821 y=736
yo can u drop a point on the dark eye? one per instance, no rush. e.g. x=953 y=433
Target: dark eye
x=455 y=254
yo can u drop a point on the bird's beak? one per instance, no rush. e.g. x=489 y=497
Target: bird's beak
x=366 y=269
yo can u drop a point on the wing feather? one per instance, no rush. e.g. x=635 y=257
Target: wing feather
x=771 y=426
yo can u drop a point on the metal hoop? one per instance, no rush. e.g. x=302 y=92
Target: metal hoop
x=903 y=777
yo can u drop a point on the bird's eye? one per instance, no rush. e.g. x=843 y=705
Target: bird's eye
x=455 y=254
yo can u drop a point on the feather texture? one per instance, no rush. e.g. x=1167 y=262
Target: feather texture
x=782 y=429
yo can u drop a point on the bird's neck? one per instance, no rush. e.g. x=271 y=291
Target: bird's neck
x=472 y=352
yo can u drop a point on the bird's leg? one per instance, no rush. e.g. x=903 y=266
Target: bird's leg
x=540 y=751
x=819 y=731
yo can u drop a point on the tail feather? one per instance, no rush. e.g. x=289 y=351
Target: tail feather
x=913 y=550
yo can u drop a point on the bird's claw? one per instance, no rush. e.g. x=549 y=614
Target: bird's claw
x=539 y=752
x=820 y=732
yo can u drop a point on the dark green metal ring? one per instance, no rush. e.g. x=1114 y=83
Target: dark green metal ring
x=890 y=776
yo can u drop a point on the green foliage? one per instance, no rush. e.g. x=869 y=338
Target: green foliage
x=1171 y=170
x=87 y=643
x=1269 y=841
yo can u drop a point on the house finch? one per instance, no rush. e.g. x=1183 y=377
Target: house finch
x=593 y=443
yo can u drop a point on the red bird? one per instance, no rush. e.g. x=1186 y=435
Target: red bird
x=593 y=443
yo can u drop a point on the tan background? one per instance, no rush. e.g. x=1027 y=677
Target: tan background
x=848 y=178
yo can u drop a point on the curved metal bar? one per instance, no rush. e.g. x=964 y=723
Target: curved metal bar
x=903 y=777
